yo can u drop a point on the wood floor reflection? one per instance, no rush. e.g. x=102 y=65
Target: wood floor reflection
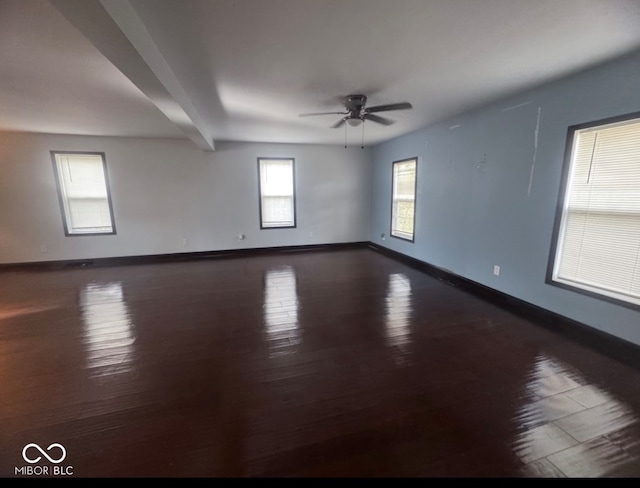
x=314 y=364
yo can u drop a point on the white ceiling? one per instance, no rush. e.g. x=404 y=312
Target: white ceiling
x=244 y=69
x=53 y=80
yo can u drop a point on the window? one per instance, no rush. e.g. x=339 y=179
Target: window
x=597 y=237
x=83 y=193
x=277 y=193
x=403 y=205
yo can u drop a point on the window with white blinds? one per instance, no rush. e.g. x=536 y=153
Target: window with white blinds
x=83 y=193
x=403 y=199
x=277 y=193
x=598 y=247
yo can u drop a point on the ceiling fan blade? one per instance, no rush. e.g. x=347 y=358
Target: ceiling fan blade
x=378 y=119
x=339 y=123
x=391 y=106
x=322 y=113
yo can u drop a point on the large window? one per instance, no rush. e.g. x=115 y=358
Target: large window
x=403 y=207
x=277 y=193
x=597 y=236
x=83 y=193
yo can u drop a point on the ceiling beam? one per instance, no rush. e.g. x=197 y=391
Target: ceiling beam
x=117 y=31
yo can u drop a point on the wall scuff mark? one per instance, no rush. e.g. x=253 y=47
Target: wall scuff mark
x=516 y=106
x=535 y=151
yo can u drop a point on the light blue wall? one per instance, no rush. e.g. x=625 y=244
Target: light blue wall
x=473 y=214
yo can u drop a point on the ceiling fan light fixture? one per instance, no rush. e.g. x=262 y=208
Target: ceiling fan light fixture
x=355 y=122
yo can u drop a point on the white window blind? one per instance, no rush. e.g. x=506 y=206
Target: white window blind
x=83 y=192
x=599 y=243
x=277 y=193
x=404 y=198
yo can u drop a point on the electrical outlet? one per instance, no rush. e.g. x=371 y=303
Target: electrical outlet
x=382 y=236
x=185 y=241
x=496 y=270
x=241 y=237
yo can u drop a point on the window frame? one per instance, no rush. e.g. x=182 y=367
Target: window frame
x=61 y=198
x=295 y=205
x=415 y=199
x=560 y=203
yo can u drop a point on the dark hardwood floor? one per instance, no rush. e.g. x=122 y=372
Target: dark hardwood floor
x=314 y=364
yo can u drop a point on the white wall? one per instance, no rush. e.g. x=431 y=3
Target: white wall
x=164 y=190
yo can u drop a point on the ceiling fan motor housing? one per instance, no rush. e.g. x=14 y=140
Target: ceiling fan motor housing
x=354 y=104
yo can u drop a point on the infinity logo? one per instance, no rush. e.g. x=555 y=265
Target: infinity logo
x=36 y=446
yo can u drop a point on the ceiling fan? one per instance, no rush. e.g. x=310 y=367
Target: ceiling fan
x=356 y=111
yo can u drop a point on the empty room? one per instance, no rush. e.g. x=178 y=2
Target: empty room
x=319 y=238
